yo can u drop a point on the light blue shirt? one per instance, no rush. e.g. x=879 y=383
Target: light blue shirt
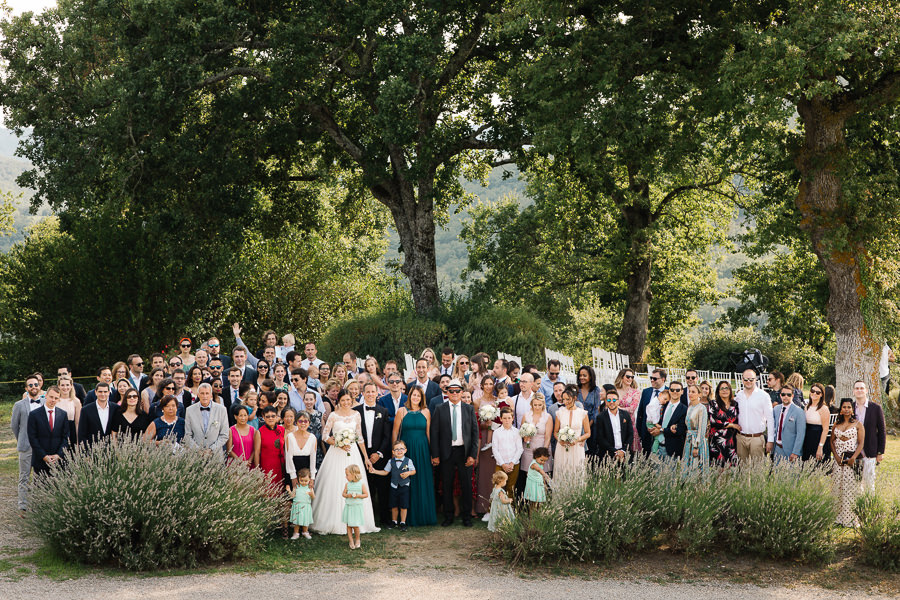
x=296 y=400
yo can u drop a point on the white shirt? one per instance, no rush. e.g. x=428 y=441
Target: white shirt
x=522 y=405
x=35 y=404
x=369 y=420
x=616 y=428
x=306 y=362
x=653 y=410
x=507 y=446
x=396 y=402
x=755 y=413
x=459 y=436
x=447 y=370
x=104 y=415
x=884 y=368
x=135 y=380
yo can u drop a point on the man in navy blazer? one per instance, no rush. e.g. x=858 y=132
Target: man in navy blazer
x=96 y=418
x=432 y=390
x=673 y=421
x=395 y=398
x=612 y=433
x=48 y=433
x=657 y=384
x=790 y=426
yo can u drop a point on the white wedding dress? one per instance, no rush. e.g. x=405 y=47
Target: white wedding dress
x=328 y=505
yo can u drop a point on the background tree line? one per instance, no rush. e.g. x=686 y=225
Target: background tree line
x=210 y=159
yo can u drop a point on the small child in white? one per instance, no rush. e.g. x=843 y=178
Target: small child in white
x=400 y=468
x=301 y=508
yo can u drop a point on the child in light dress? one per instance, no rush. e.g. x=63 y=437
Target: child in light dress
x=301 y=508
x=354 y=493
x=501 y=504
x=535 y=492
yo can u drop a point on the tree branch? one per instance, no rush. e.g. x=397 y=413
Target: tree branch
x=667 y=199
x=233 y=72
x=328 y=125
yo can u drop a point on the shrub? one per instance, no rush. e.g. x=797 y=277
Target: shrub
x=142 y=507
x=711 y=352
x=879 y=527
x=608 y=511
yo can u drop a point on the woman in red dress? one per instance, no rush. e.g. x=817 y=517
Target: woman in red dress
x=268 y=449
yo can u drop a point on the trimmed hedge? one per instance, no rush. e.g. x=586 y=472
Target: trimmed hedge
x=466 y=325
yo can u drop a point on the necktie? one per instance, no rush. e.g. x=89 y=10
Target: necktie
x=453 y=420
x=781 y=422
x=668 y=415
x=50 y=418
x=234 y=395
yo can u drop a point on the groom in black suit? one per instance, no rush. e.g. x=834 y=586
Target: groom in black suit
x=48 y=433
x=454 y=446
x=376 y=431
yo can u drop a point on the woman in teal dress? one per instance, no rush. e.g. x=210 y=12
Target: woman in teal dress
x=696 y=447
x=412 y=425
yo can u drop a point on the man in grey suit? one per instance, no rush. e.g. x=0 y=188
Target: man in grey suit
x=206 y=423
x=790 y=426
x=19 y=422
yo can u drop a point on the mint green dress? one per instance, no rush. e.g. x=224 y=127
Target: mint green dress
x=353 y=515
x=301 y=508
x=500 y=512
x=534 y=485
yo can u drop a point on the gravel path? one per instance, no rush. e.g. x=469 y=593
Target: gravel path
x=433 y=584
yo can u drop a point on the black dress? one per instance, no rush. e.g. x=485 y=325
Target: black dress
x=134 y=429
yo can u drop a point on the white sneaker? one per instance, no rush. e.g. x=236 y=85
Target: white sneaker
x=486 y=517
x=486 y=447
x=296 y=536
x=306 y=535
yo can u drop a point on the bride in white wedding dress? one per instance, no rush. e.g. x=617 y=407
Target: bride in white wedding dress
x=328 y=505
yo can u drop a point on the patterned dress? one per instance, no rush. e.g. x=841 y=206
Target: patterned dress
x=722 y=441
x=630 y=400
x=844 y=484
x=696 y=421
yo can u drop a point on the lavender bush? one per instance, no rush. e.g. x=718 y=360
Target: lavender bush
x=143 y=507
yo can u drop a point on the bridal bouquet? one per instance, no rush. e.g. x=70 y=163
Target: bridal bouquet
x=488 y=412
x=345 y=438
x=528 y=430
x=567 y=435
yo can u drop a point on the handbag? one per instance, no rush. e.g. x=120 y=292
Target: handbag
x=857 y=466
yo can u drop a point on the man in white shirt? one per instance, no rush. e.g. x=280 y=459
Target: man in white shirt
x=310 y=350
x=395 y=398
x=136 y=371
x=95 y=421
x=755 y=420
x=507 y=449
x=521 y=402
x=447 y=362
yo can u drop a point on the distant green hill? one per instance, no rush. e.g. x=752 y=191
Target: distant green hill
x=10 y=168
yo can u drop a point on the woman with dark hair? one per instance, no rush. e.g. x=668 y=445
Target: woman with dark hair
x=569 y=457
x=830 y=394
x=301 y=450
x=194 y=379
x=166 y=387
x=130 y=420
x=240 y=443
x=588 y=392
x=486 y=395
x=629 y=400
x=148 y=395
x=262 y=372
x=281 y=400
x=478 y=370
x=817 y=421
x=268 y=448
x=168 y=427
x=847 y=440
x=279 y=376
x=412 y=426
x=723 y=426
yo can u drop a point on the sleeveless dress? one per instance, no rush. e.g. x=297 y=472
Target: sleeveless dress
x=500 y=512
x=569 y=460
x=242 y=445
x=353 y=515
x=486 y=464
x=175 y=431
x=301 y=507
x=534 y=485
x=722 y=439
x=422 y=509
x=328 y=505
x=540 y=439
x=844 y=484
x=629 y=401
x=696 y=421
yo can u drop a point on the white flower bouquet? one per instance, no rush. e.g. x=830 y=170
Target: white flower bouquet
x=345 y=439
x=488 y=412
x=528 y=431
x=567 y=435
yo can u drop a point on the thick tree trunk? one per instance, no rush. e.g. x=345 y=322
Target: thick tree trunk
x=820 y=202
x=633 y=335
x=414 y=220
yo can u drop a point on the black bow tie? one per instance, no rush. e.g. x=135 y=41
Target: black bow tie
x=35 y=401
x=370 y=408
x=206 y=408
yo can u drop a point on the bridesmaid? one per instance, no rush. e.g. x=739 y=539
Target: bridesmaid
x=569 y=457
x=629 y=399
x=541 y=419
x=412 y=424
x=696 y=448
x=482 y=397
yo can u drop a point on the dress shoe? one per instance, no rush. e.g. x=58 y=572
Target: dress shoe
x=447 y=523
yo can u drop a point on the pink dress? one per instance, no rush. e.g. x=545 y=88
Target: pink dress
x=630 y=401
x=242 y=445
x=541 y=438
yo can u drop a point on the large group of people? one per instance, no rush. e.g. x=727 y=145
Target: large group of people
x=358 y=449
